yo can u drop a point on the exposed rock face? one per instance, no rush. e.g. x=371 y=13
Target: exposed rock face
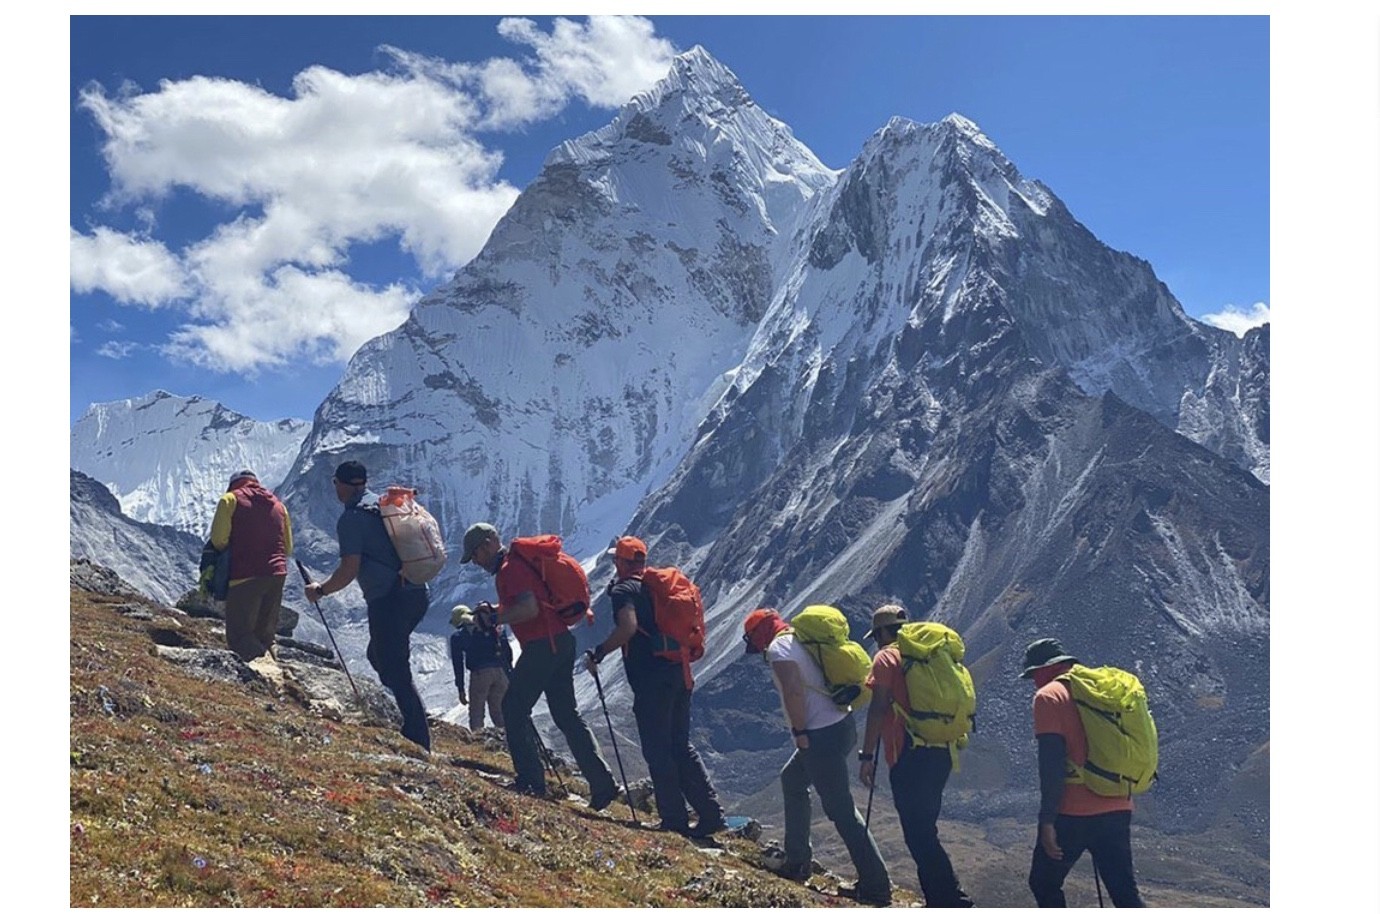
x=308 y=673
x=157 y=561
x=1230 y=413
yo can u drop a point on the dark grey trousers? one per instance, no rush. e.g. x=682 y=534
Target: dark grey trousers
x=824 y=766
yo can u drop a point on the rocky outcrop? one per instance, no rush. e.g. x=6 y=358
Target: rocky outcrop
x=157 y=561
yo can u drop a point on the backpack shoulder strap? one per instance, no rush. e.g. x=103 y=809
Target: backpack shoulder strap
x=536 y=573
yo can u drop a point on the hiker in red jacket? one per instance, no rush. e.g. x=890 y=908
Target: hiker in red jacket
x=253 y=525
x=546 y=666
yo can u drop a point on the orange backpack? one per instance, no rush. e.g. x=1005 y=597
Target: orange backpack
x=567 y=587
x=679 y=613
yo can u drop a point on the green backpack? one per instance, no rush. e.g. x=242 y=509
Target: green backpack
x=823 y=631
x=1123 y=745
x=939 y=688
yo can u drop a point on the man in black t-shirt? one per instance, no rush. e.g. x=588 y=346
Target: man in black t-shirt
x=661 y=699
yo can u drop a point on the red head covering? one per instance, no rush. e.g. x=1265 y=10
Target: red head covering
x=760 y=627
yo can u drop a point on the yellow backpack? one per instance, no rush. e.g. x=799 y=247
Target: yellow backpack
x=823 y=631
x=939 y=688
x=1123 y=745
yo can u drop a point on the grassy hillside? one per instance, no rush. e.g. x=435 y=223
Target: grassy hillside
x=192 y=791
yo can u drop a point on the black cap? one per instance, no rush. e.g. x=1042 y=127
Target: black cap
x=351 y=473
x=1045 y=652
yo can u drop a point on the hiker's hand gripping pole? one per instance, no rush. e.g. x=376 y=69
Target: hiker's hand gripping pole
x=307 y=582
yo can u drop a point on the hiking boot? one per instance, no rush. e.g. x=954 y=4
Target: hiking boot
x=527 y=790
x=602 y=801
x=706 y=827
x=680 y=828
x=774 y=860
x=874 y=898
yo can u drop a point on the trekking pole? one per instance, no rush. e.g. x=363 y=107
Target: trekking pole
x=627 y=794
x=867 y=823
x=1097 y=881
x=306 y=579
x=548 y=758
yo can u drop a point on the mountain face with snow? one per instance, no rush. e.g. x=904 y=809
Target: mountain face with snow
x=167 y=459
x=1230 y=413
x=917 y=379
x=159 y=561
x=960 y=400
x=563 y=373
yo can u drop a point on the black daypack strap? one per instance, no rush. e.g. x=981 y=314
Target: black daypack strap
x=1111 y=717
x=906 y=663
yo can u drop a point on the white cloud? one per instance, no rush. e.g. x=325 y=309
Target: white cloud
x=109 y=325
x=604 y=62
x=133 y=270
x=119 y=349
x=1239 y=320
x=291 y=314
x=347 y=159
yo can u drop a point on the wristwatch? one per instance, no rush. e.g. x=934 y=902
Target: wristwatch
x=795 y=732
x=865 y=756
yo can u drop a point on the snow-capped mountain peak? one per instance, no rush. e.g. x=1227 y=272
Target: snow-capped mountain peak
x=695 y=126
x=564 y=371
x=166 y=458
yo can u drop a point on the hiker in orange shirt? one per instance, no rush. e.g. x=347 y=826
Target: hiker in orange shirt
x=1072 y=818
x=918 y=774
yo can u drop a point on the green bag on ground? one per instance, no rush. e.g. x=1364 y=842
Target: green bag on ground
x=939 y=688
x=823 y=631
x=1123 y=745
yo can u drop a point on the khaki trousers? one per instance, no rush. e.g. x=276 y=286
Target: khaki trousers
x=251 y=614
x=487 y=687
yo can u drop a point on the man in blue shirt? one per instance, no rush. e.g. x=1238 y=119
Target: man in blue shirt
x=396 y=605
x=486 y=653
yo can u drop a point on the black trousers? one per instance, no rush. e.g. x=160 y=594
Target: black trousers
x=661 y=705
x=391 y=621
x=544 y=669
x=917 y=785
x=1107 y=838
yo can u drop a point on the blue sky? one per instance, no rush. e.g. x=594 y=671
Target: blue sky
x=228 y=242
